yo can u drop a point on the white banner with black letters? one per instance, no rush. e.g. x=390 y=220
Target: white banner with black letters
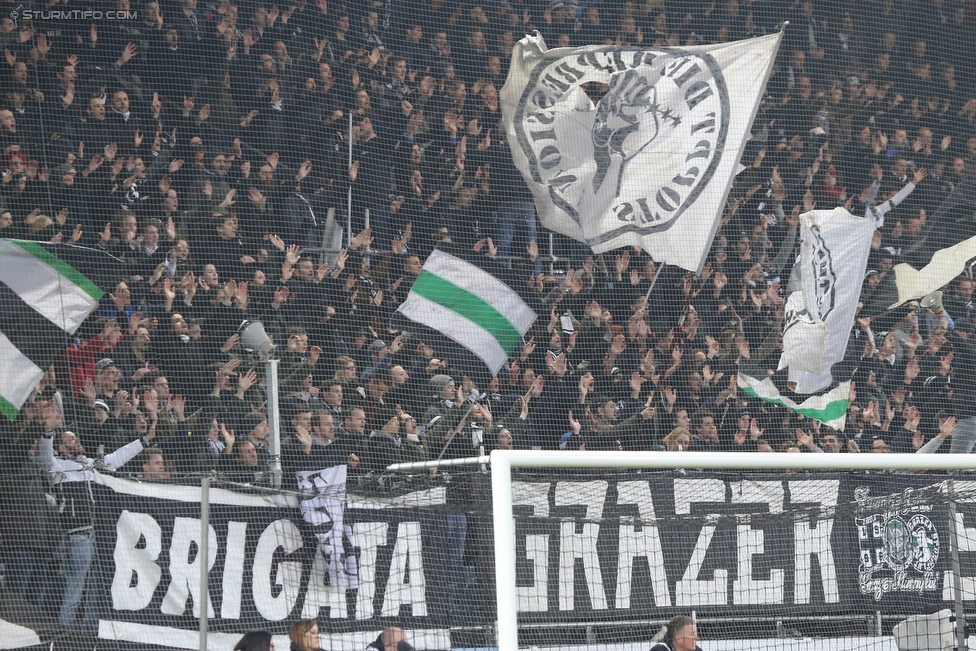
x=634 y=146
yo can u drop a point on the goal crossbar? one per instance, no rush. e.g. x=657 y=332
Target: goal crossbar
x=502 y=462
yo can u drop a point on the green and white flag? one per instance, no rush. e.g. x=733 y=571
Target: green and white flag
x=45 y=299
x=461 y=299
x=829 y=407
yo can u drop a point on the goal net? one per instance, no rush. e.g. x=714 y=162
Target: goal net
x=808 y=557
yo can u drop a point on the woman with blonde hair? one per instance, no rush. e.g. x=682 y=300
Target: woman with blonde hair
x=678 y=440
x=305 y=635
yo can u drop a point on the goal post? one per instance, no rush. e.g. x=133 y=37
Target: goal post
x=893 y=465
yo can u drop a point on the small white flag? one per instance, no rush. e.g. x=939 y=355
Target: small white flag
x=458 y=296
x=45 y=300
x=945 y=265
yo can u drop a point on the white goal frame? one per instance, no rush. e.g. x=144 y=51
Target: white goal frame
x=502 y=462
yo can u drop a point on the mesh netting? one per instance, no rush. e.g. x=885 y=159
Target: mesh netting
x=622 y=238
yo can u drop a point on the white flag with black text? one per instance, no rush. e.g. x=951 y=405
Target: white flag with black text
x=624 y=145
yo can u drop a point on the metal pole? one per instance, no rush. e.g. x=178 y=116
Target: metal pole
x=504 y=526
x=956 y=570
x=457 y=428
x=424 y=465
x=552 y=254
x=328 y=233
x=203 y=558
x=710 y=460
x=349 y=193
x=274 y=420
x=722 y=460
x=657 y=274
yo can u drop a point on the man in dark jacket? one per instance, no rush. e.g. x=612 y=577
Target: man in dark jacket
x=963 y=393
x=680 y=635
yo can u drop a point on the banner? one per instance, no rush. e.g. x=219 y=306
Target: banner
x=834 y=249
x=636 y=146
x=764 y=546
x=590 y=547
x=266 y=568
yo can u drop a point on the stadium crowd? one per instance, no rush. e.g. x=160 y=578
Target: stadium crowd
x=204 y=144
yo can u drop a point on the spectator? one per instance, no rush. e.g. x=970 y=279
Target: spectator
x=304 y=635
x=878 y=445
x=678 y=440
x=256 y=425
x=153 y=464
x=391 y=638
x=253 y=640
x=706 y=432
x=384 y=446
x=351 y=436
x=444 y=394
x=71 y=474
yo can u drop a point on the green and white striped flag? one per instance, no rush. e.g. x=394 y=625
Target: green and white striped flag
x=461 y=299
x=45 y=299
x=829 y=407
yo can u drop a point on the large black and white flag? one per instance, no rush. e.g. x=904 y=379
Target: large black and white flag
x=637 y=146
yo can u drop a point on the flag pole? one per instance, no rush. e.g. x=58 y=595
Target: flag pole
x=657 y=274
x=457 y=428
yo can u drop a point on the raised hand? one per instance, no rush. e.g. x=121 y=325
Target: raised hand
x=149 y=401
x=574 y=424
x=947 y=426
x=363 y=239
x=670 y=396
x=304 y=437
x=805 y=439
x=229 y=438
x=754 y=430
x=246 y=380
